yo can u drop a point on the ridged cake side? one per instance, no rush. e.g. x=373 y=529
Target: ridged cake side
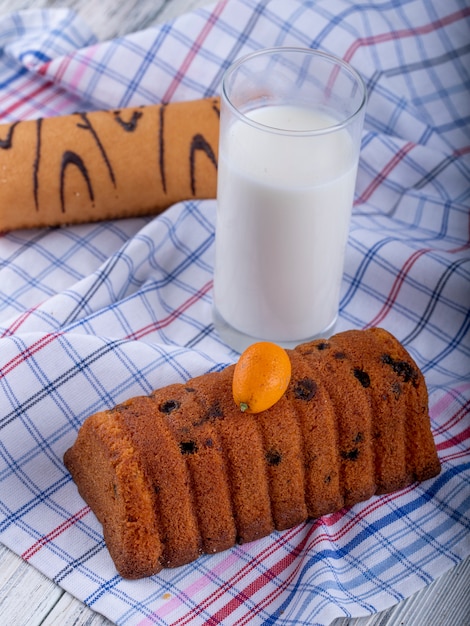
x=113 y=482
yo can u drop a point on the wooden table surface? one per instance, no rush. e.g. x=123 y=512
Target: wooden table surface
x=27 y=597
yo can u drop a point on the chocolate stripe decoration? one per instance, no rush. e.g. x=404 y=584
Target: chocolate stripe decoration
x=88 y=126
x=199 y=144
x=6 y=143
x=161 y=146
x=36 y=163
x=131 y=125
x=72 y=158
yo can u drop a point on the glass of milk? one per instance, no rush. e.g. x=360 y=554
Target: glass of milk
x=290 y=131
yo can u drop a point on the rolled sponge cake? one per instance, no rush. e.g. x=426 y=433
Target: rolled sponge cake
x=184 y=472
x=109 y=164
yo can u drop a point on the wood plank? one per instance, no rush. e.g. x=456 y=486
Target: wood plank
x=26 y=595
x=71 y=612
x=109 y=18
x=445 y=602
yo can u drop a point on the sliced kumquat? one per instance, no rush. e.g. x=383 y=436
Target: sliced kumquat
x=261 y=377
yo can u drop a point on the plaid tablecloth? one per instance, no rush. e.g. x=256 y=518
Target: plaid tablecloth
x=93 y=314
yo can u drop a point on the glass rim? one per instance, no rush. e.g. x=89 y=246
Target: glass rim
x=308 y=52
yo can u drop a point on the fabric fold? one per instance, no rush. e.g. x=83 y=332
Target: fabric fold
x=93 y=314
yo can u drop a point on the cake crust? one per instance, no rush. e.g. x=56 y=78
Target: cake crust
x=184 y=472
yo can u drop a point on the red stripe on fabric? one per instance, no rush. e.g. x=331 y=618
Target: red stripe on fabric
x=42 y=69
x=406 y=32
x=29 y=352
x=49 y=93
x=328 y=520
x=197 y=45
x=455 y=440
x=266 y=577
x=377 y=502
x=454 y=419
x=271 y=549
x=379 y=179
x=282 y=564
x=47 y=339
x=11 y=330
x=150 y=328
x=19 y=103
x=61 y=67
x=55 y=533
x=399 y=280
x=287 y=560
x=453 y=457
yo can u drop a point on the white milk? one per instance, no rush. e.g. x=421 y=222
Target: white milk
x=284 y=204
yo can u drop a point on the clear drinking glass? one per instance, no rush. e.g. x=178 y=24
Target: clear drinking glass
x=290 y=132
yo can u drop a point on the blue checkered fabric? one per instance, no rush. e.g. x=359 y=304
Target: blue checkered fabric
x=91 y=315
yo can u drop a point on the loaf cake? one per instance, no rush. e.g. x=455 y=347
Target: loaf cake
x=184 y=472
